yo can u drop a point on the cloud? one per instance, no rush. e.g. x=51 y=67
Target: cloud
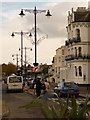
x=55 y=28
x=43 y=0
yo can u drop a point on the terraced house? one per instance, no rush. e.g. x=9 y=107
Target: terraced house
x=77 y=48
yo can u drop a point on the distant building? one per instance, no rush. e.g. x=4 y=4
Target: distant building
x=59 y=65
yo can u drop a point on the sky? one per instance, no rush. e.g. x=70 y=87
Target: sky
x=53 y=27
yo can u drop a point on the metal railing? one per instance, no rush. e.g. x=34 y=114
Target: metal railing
x=73 y=40
x=72 y=57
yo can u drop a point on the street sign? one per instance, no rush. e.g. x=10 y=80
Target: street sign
x=36 y=69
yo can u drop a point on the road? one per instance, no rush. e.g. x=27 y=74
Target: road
x=16 y=99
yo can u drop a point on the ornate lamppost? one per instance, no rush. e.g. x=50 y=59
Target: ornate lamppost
x=35 y=11
x=21 y=33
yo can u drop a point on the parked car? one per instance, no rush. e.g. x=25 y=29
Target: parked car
x=65 y=88
x=29 y=82
x=14 y=83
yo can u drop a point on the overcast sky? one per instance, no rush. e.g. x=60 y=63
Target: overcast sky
x=54 y=27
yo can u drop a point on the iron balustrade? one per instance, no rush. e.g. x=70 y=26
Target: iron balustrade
x=73 y=57
x=73 y=40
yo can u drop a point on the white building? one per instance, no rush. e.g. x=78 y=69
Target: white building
x=59 y=65
x=78 y=46
x=72 y=61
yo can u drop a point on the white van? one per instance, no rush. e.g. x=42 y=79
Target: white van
x=15 y=83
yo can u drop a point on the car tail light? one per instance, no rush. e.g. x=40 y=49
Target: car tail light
x=78 y=89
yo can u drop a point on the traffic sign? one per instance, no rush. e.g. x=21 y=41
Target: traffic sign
x=36 y=69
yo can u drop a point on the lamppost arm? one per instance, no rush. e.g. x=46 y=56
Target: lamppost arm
x=33 y=11
x=19 y=33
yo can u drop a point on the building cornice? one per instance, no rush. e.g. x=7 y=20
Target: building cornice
x=78 y=61
x=81 y=24
x=81 y=43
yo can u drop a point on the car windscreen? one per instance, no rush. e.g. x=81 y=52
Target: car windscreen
x=70 y=84
x=61 y=84
x=15 y=79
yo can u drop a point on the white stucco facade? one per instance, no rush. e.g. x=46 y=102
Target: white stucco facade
x=78 y=52
x=74 y=64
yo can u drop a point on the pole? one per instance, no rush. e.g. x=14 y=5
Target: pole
x=35 y=11
x=25 y=62
x=21 y=33
x=21 y=52
x=35 y=41
x=17 y=60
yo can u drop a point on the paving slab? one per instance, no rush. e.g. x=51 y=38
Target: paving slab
x=5 y=109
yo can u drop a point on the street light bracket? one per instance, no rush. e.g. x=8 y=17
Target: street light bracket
x=33 y=11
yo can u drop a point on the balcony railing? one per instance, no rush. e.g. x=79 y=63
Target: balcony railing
x=73 y=40
x=73 y=57
x=69 y=57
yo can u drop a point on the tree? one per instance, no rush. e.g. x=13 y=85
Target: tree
x=8 y=68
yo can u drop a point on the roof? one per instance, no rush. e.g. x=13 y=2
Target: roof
x=82 y=16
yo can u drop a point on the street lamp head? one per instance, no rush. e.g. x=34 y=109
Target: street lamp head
x=48 y=14
x=21 y=14
x=30 y=35
x=13 y=34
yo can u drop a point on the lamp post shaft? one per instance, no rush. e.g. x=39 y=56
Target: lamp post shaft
x=35 y=37
x=17 y=60
x=25 y=69
x=21 y=52
x=35 y=41
x=25 y=64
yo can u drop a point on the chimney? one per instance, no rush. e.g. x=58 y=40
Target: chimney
x=72 y=10
x=79 y=9
x=68 y=13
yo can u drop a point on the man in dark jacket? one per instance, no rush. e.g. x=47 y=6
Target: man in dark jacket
x=38 y=87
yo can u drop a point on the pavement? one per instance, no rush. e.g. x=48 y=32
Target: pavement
x=84 y=94
x=5 y=109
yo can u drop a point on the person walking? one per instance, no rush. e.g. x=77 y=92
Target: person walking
x=35 y=89
x=38 y=87
x=46 y=90
x=47 y=85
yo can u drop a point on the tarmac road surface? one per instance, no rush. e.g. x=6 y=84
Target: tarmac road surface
x=14 y=100
x=17 y=99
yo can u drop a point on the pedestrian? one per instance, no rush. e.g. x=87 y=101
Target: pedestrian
x=38 y=87
x=46 y=90
x=62 y=83
x=43 y=87
x=35 y=89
